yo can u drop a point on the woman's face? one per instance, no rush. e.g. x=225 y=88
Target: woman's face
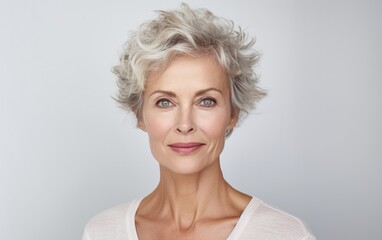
x=186 y=113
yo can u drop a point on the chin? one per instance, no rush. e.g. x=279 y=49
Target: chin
x=185 y=166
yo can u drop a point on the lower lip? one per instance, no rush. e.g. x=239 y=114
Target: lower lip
x=186 y=150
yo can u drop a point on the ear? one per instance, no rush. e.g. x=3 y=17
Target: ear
x=232 y=121
x=141 y=125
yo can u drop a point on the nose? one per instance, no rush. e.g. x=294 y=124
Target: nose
x=186 y=123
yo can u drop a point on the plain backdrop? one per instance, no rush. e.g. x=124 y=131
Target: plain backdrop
x=313 y=147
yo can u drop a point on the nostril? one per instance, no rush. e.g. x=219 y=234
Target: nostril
x=180 y=130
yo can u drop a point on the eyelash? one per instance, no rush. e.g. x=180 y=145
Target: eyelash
x=170 y=103
x=157 y=103
x=213 y=102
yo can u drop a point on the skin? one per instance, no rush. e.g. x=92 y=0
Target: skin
x=186 y=113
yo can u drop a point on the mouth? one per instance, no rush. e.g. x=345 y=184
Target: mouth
x=186 y=148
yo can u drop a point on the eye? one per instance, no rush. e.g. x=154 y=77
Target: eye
x=164 y=103
x=207 y=102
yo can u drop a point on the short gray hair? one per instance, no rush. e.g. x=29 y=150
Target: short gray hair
x=188 y=31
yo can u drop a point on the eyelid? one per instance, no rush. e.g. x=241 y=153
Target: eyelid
x=157 y=101
x=208 y=98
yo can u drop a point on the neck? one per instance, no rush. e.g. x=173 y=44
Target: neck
x=188 y=198
x=196 y=188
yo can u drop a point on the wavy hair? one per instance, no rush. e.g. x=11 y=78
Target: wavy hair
x=189 y=32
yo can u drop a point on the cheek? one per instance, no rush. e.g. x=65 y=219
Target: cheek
x=157 y=127
x=214 y=124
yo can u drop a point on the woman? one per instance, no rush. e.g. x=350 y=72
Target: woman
x=188 y=78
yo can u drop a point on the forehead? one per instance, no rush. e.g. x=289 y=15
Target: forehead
x=189 y=72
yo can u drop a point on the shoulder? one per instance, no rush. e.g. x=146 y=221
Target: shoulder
x=268 y=222
x=111 y=223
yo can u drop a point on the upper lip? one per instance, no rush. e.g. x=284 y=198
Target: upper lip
x=186 y=144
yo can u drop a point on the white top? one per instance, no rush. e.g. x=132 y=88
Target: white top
x=258 y=221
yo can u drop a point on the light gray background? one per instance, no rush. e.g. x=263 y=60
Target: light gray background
x=313 y=147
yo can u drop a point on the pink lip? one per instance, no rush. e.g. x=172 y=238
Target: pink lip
x=185 y=148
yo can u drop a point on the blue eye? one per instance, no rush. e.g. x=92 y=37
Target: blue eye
x=208 y=102
x=164 y=103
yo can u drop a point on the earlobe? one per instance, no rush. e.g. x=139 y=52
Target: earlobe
x=141 y=125
x=232 y=122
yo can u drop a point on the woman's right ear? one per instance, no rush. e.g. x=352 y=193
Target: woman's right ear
x=141 y=125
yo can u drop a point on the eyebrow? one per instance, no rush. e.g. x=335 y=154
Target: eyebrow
x=198 y=93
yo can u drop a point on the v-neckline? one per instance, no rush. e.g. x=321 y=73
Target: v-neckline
x=235 y=233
